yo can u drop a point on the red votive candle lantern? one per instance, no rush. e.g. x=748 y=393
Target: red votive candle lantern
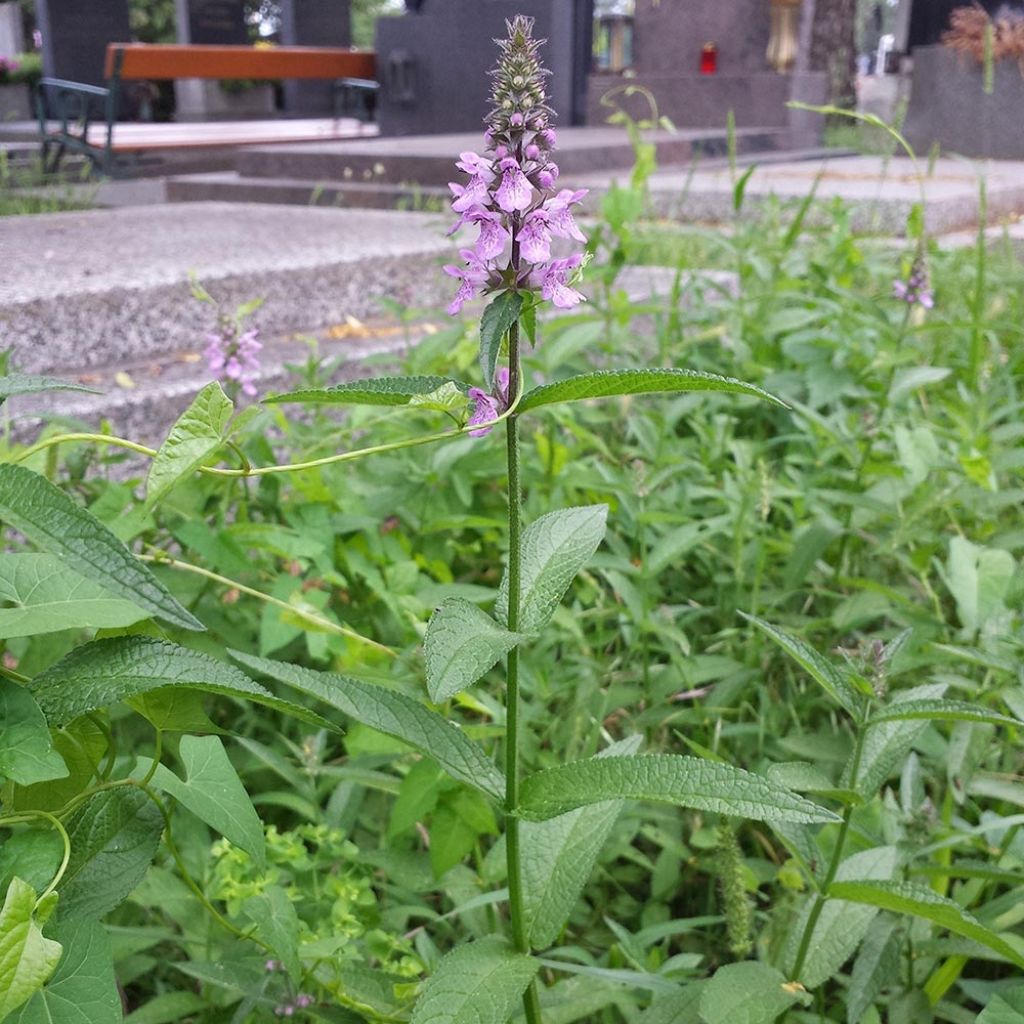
x=709 y=59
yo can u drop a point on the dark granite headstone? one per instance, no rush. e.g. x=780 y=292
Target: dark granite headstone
x=212 y=22
x=75 y=36
x=313 y=23
x=433 y=62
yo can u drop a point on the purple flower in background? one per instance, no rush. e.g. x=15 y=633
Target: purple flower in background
x=915 y=290
x=234 y=357
x=487 y=408
x=510 y=195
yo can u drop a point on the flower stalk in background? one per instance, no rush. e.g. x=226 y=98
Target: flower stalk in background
x=233 y=349
x=916 y=289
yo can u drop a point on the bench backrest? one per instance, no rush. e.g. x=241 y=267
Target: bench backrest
x=157 y=61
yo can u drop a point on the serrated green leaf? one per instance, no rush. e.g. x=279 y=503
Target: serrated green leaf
x=377 y=391
x=669 y=778
x=26 y=750
x=841 y=926
x=106 y=672
x=394 y=714
x=114 y=836
x=461 y=644
x=804 y=777
x=607 y=383
x=82 y=989
x=198 y=432
x=876 y=966
x=277 y=922
x=920 y=901
x=747 y=993
x=559 y=855
x=45 y=596
x=477 y=983
x=27 y=959
x=51 y=520
x=168 y=1008
x=27 y=384
x=679 y=1008
x=498 y=317
x=941 y=711
x=554 y=549
x=819 y=668
x=213 y=792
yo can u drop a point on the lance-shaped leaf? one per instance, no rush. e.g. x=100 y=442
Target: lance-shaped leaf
x=668 y=778
x=477 y=983
x=83 y=989
x=461 y=644
x=819 y=668
x=375 y=391
x=27 y=384
x=498 y=317
x=27 y=959
x=213 y=792
x=114 y=836
x=941 y=711
x=26 y=752
x=920 y=901
x=45 y=596
x=747 y=993
x=395 y=714
x=108 y=671
x=607 y=383
x=876 y=966
x=554 y=549
x=55 y=523
x=558 y=856
x=197 y=434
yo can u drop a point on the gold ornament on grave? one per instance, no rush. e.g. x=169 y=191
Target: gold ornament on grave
x=784 y=40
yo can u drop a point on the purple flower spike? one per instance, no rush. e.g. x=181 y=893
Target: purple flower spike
x=514 y=193
x=485 y=409
x=535 y=238
x=560 y=214
x=554 y=283
x=493 y=234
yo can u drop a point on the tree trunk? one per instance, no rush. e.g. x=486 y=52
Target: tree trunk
x=834 y=48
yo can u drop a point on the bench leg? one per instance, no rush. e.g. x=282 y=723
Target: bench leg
x=53 y=153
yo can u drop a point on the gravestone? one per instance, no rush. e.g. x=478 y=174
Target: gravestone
x=12 y=30
x=313 y=23
x=75 y=36
x=212 y=22
x=432 y=62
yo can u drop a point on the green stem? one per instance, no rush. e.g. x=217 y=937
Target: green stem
x=23 y=818
x=531 y=1000
x=837 y=852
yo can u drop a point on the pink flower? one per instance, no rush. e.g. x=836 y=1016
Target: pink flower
x=535 y=238
x=234 y=359
x=548 y=176
x=485 y=409
x=515 y=192
x=466 y=196
x=471 y=277
x=560 y=214
x=493 y=234
x=554 y=286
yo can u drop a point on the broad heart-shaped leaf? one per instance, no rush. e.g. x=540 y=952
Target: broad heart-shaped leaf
x=669 y=778
x=197 y=434
x=213 y=792
x=395 y=714
x=277 y=922
x=51 y=520
x=375 y=391
x=477 y=983
x=940 y=711
x=494 y=324
x=27 y=959
x=607 y=383
x=818 y=667
x=841 y=925
x=82 y=989
x=108 y=671
x=554 y=549
x=461 y=644
x=920 y=901
x=114 y=836
x=26 y=752
x=27 y=384
x=558 y=856
x=747 y=993
x=44 y=596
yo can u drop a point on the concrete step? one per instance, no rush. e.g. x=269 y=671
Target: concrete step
x=428 y=160
x=230 y=186
x=99 y=287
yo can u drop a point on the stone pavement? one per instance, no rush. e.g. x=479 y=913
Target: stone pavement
x=880 y=191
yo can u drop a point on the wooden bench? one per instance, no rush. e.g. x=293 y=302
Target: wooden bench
x=77 y=108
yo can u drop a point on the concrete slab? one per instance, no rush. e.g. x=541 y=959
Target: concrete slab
x=88 y=288
x=880 y=192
